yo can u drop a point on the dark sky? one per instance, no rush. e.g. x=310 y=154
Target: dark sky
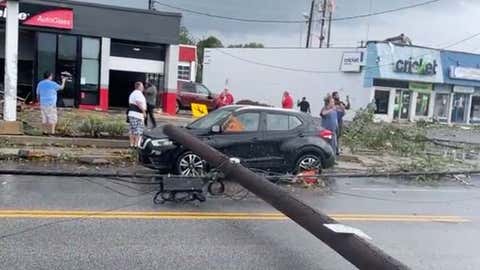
x=436 y=25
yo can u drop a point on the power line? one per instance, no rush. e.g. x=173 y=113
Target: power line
x=256 y=20
x=275 y=66
x=336 y=71
x=385 y=11
x=462 y=41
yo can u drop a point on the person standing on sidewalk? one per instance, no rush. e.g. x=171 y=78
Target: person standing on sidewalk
x=341 y=109
x=287 y=101
x=225 y=98
x=304 y=105
x=136 y=113
x=47 y=95
x=329 y=117
x=151 y=96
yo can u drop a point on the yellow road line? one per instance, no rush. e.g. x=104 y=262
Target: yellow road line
x=47 y=214
x=274 y=214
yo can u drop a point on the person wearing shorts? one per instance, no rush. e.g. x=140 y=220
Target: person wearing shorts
x=136 y=113
x=47 y=95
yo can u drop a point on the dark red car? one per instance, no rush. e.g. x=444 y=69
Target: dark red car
x=192 y=92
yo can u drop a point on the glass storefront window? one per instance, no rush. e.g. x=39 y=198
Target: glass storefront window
x=90 y=75
x=90 y=72
x=475 y=111
x=440 y=110
x=183 y=72
x=90 y=48
x=402 y=104
x=47 y=52
x=459 y=110
x=423 y=102
x=67 y=62
x=381 y=101
x=67 y=47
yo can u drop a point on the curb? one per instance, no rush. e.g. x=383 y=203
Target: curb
x=104 y=157
x=62 y=141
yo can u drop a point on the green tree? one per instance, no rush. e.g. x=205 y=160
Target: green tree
x=247 y=45
x=186 y=37
x=210 y=42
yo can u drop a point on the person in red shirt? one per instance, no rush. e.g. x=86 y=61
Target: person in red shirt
x=225 y=98
x=287 y=101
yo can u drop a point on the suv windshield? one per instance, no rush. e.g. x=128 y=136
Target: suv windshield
x=209 y=120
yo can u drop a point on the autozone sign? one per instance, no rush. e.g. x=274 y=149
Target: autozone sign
x=42 y=16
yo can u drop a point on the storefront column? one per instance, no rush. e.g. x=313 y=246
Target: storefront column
x=171 y=77
x=469 y=108
x=11 y=61
x=450 y=109
x=391 y=104
x=104 y=73
x=193 y=71
x=11 y=126
x=413 y=106
x=431 y=105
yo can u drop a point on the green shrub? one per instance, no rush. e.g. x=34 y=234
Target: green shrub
x=66 y=127
x=93 y=126
x=115 y=128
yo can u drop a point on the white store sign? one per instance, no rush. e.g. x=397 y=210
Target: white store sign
x=351 y=61
x=465 y=73
x=463 y=89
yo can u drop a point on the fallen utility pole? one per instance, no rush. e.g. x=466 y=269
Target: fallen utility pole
x=356 y=250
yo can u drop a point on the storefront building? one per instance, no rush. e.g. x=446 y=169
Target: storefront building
x=461 y=94
x=403 y=80
x=104 y=49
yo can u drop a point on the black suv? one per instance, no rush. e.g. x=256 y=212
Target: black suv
x=268 y=139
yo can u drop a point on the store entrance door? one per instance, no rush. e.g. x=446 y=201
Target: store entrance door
x=121 y=85
x=403 y=98
x=459 y=114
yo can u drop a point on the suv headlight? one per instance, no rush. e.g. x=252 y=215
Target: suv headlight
x=161 y=142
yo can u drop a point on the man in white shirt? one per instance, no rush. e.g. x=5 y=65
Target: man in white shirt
x=136 y=113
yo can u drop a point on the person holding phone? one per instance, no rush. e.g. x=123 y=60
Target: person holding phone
x=47 y=91
x=341 y=108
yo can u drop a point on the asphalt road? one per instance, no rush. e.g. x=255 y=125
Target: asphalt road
x=79 y=223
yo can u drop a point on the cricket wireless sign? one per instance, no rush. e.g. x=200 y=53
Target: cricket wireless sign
x=51 y=17
x=419 y=67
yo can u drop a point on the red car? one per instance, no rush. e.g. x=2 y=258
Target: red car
x=192 y=92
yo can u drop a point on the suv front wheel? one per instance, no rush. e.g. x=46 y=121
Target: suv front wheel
x=308 y=162
x=190 y=164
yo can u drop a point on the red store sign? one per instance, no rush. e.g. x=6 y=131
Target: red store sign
x=59 y=18
x=43 y=16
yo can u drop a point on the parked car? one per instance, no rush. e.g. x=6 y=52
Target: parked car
x=192 y=92
x=268 y=139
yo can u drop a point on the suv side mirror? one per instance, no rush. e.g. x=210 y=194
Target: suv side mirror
x=216 y=129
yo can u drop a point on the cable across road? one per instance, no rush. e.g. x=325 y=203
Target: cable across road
x=258 y=20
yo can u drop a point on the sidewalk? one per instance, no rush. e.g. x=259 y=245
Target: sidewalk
x=463 y=134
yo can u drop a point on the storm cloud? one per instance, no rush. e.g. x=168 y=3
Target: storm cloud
x=435 y=25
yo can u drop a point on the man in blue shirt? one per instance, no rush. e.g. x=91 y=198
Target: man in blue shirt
x=47 y=95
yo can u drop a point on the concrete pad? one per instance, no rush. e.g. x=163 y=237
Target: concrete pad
x=63 y=141
x=11 y=128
